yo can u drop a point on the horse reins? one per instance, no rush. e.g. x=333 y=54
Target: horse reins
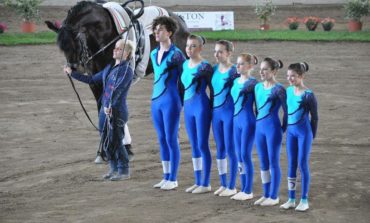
x=101 y=50
x=132 y=17
x=79 y=99
x=108 y=44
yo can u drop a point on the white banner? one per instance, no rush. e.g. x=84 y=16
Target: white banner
x=208 y=20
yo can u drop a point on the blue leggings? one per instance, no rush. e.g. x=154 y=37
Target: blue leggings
x=298 y=148
x=197 y=117
x=222 y=126
x=244 y=129
x=268 y=142
x=166 y=117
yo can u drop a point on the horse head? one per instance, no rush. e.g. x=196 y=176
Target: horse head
x=86 y=29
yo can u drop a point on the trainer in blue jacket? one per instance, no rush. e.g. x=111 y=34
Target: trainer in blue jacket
x=116 y=80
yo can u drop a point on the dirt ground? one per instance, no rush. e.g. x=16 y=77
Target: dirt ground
x=47 y=145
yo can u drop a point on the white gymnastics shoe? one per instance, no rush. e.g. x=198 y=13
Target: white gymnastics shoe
x=289 y=204
x=270 y=202
x=259 y=201
x=302 y=206
x=98 y=160
x=241 y=196
x=202 y=190
x=219 y=190
x=169 y=185
x=160 y=184
x=190 y=189
x=228 y=192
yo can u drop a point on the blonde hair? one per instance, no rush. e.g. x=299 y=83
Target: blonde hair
x=129 y=47
x=249 y=58
x=229 y=46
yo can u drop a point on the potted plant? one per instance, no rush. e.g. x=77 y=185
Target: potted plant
x=264 y=13
x=354 y=11
x=28 y=10
x=327 y=23
x=3 y=27
x=311 y=22
x=293 y=22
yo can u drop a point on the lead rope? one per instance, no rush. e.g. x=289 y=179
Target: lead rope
x=79 y=99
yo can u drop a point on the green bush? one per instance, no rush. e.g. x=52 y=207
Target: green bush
x=27 y=9
x=355 y=9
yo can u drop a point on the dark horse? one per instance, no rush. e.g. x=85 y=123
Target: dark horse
x=88 y=28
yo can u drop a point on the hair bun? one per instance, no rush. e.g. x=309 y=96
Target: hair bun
x=280 y=64
x=203 y=39
x=304 y=66
x=255 y=59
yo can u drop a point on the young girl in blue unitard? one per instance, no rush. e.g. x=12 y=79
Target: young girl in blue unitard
x=270 y=96
x=222 y=116
x=167 y=62
x=301 y=131
x=242 y=92
x=195 y=77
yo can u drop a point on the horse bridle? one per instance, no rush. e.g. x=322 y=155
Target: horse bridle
x=85 y=57
x=84 y=52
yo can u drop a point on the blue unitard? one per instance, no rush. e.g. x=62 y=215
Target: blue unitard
x=269 y=132
x=116 y=82
x=166 y=107
x=244 y=128
x=222 y=124
x=300 y=134
x=197 y=116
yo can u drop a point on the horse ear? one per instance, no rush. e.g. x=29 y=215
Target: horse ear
x=52 y=26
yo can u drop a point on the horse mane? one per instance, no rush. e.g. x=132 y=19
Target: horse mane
x=76 y=10
x=66 y=33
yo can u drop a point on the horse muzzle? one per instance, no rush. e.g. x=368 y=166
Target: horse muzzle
x=73 y=66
